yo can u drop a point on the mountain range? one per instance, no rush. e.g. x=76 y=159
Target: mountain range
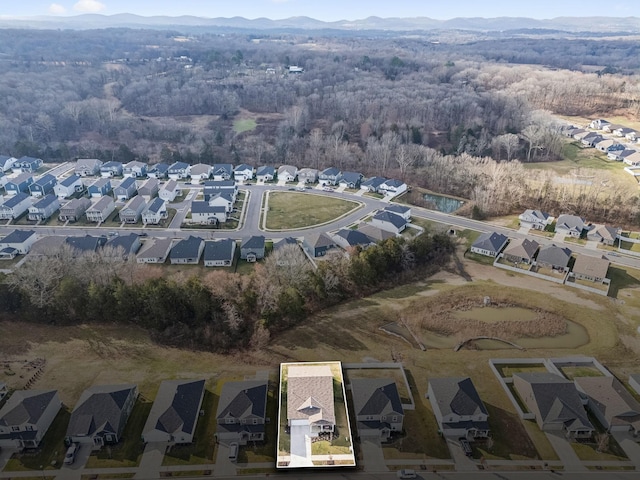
x=566 y=24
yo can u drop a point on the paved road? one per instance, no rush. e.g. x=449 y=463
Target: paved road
x=251 y=225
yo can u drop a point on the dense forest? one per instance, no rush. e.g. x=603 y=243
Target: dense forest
x=459 y=117
x=218 y=311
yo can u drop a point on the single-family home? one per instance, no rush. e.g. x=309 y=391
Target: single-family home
x=593 y=269
x=308 y=175
x=284 y=242
x=178 y=171
x=521 y=250
x=318 y=244
x=242 y=412
x=158 y=170
x=580 y=134
x=223 y=199
x=19 y=183
x=573 y=131
x=43 y=185
x=620 y=155
x=458 y=408
x=554 y=257
x=222 y=171
x=68 y=187
x=111 y=169
x=377 y=406
x=100 y=188
x=175 y=412
x=310 y=398
x=373 y=184
x=44 y=208
x=591 y=139
x=376 y=234
x=243 y=172
x=85 y=245
x=611 y=403
x=265 y=173
x=603 y=234
x=599 y=123
x=404 y=212
x=74 y=209
x=489 y=244
x=205 y=214
x=121 y=247
x=329 y=176
x=347 y=238
x=610 y=128
x=169 y=191
x=126 y=189
x=101 y=414
x=570 y=225
x=27 y=416
x=633 y=159
x=392 y=187
x=200 y=172
x=15 y=206
x=188 y=250
x=100 y=210
x=155 y=211
x=219 y=253
x=252 y=248
x=155 y=250
x=288 y=173
x=555 y=402
x=622 y=131
x=6 y=163
x=87 y=167
x=132 y=210
x=214 y=187
x=607 y=145
x=535 y=219
x=149 y=189
x=26 y=165
x=135 y=169
x=389 y=221
x=632 y=136
x=350 y=179
x=18 y=242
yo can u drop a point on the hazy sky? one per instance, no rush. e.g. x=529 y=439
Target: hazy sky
x=327 y=10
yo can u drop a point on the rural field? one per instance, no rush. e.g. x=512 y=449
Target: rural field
x=607 y=328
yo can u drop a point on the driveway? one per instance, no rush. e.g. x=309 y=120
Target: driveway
x=76 y=469
x=462 y=462
x=224 y=466
x=592 y=244
x=372 y=456
x=5 y=456
x=151 y=460
x=630 y=446
x=566 y=453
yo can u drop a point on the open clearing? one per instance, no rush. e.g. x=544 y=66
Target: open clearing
x=291 y=210
x=79 y=356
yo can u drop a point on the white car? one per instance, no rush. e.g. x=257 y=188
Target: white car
x=407 y=473
x=70 y=456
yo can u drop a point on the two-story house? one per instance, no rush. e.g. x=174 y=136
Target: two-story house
x=222 y=171
x=19 y=183
x=68 y=186
x=27 y=416
x=132 y=210
x=241 y=414
x=15 y=206
x=155 y=211
x=74 y=209
x=44 y=208
x=111 y=169
x=178 y=171
x=134 y=169
x=87 y=167
x=126 y=189
x=43 y=185
x=377 y=405
x=100 y=188
x=100 y=210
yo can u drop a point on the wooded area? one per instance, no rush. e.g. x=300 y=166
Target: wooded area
x=446 y=116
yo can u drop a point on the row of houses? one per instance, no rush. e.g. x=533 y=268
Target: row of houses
x=615 y=150
x=529 y=252
x=102 y=411
x=570 y=226
x=24 y=164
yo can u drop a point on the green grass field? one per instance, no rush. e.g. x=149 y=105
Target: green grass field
x=289 y=210
x=244 y=125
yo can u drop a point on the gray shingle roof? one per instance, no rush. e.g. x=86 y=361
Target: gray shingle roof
x=310 y=394
x=67 y=182
x=219 y=250
x=176 y=407
x=319 y=240
x=127 y=243
x=265 y=170
x=155 y=205
x=390 y=217
x=375 y=396
x=397 y=209
x=186 y=248
x=284 y=242
x=354 y=237
x=86 y=243
x=374 y=182
x=591 y=266
x=330 y=172
x=25 y=406
x=255 y=242
x=612 y=399
x=204 y=207
x=554 y=255
x=572 y=223
x=18 y=236
x=127 y=183
x=45 y=201
x=15 y=200
x=522 y=247
x=239 y=400
x=100 y=408
x=491 y=241
x=457 y=395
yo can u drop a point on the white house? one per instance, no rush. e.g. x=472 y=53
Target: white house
x=489 y=244
x=288 y=173
x=392 y=187
x=155 y=211
x=15 y=206
x=101 y=210
x=205 y=214
x=68 y=186
x=169 y=191
x=44 y=208
x=27 y=416
x=243 y=172
x=19 y=240
x=535 y=219
x=200 y=172
x=222 y=199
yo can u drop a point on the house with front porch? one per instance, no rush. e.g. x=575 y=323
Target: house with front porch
x=253 y=248
x=44 y=208
x=310 y=398
x=179 y=171
x=101 y=210
x=350 y=179
x=329 y=176
x=26 y=165
x=288 y=173
x=101 y=414
x=200 y=172
x=392 y=187
x=74 y=209
x=603 y=234
x=135 y=169
x=149 y=189
x=242 y=412
x=154 y=212
x=308 y=175
x=100 y=188
x=265 y=173
x=87 y=167
x=111 y=169
x=378 y=408
x=458 y=408
x=222 y=199
x=43 y=185
x=68 y=186
x=222 y=171
x=132 y=210
x=15 y=206
x=158 y=170
x=26 y=417
x=570 y=225
x=243 y=172
x=555 y=402
x=535 y=219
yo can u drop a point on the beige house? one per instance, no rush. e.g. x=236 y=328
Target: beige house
x=590 y=268
x=521 y=250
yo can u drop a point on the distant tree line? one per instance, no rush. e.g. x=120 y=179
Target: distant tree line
x=218 y=311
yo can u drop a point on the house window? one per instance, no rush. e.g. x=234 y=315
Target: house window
x=29 y=428
x=394 y=419
x=229 y=421
x=255 y=421
x=15 y=429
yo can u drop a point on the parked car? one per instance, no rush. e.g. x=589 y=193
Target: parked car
x=70 y=456
x=407 y=473
x=233 y=451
